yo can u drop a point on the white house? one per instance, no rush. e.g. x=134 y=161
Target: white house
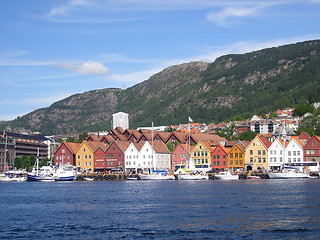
x=132 y=158
x=162 y=160
x=146 y=154
x=294 y=151
x=276 y=153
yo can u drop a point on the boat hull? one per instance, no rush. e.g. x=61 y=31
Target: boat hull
x=226 y=176
x=192 y=177
x=156 y=177
x=36 y=178
x=288 y=175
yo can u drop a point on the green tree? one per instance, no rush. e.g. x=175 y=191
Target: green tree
x=82 y=137
x=303 y=108
x=170 y=146
x=310 y=125
x=227 y=132
x=71 y=139
x=247 y=135
x=273 y=115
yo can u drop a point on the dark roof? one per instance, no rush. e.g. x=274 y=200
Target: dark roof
x=37 y=137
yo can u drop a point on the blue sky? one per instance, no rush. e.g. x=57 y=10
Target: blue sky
x=52 y=49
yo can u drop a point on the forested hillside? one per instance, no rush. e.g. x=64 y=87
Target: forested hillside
x=243 y=84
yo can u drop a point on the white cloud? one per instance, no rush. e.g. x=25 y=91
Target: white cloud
x=86 y=68
x=69 y=6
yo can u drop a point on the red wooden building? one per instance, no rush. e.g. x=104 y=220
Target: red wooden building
x=115 y=158
x=220 y=158
x=66 y=153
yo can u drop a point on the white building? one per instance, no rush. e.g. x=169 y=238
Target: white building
x=294 y=151
x=276 y=153
x=132 y=158
x=120 y=119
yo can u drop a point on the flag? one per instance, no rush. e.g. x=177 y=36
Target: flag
x=190 y=120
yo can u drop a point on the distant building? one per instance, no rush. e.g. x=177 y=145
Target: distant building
x=120 y=119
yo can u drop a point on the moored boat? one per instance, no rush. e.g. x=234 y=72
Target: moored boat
x=64 y=173
x=193 y=176
x=226 y=175
x=156 y=176
x=288 y=173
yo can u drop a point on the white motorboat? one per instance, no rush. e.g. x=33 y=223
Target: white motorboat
x=288 y=173
x=278 y=175
x=226 y=176
x=156 y=176
x=193 y=176
x=11 y=177
x=64 y=173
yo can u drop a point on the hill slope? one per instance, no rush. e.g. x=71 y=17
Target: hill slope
x=246 y=84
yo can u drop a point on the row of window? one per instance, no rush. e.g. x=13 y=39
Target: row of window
x=218 y=156
x=236 y=155
x=263 y=152
x=200 y=154
x=217 y=163
x=260 y=160
x=201 y=161
x=235 y=162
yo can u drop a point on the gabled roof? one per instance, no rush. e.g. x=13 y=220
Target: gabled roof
x=304 y=135
x=119 y=130
x=72 y=147
x=122 y=145
x=265 y=141
x=95 y=145
x=159 y=147
x=296 y=138
x=226 y=150
x=207 y=144
x=93 y=137
x=207 y=137
x=138 y=145
x=163 y=135
x=240 y=146
x=181 y=136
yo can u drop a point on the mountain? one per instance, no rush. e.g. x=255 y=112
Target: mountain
x=252 y=83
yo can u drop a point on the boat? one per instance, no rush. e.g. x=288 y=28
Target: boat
x=193 y=176
x=289 y=172
x=88 y=179
x=43 y=174
x=13 y=177
x=190 y=173
x=253 y=177
x=226 y=175
x=64 y=173
x=157 y=175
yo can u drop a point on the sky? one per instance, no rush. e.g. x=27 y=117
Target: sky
x=52 y=49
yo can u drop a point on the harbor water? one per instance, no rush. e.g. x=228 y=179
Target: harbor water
x=241 y=209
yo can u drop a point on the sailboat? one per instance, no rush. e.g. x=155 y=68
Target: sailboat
x=190 y=173
x=43 y=174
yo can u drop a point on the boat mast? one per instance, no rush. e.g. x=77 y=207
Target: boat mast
x=37 y=162
x=5 y=149
x=153 y=160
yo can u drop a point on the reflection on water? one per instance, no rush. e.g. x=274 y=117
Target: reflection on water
x=249 y=209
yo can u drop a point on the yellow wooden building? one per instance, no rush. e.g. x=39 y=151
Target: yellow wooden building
x=201 y=153
x=236 y=158
x=256 y=154
x=86 y=154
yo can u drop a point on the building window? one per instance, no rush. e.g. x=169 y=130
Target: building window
x=63 y=151
x=251 y=152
